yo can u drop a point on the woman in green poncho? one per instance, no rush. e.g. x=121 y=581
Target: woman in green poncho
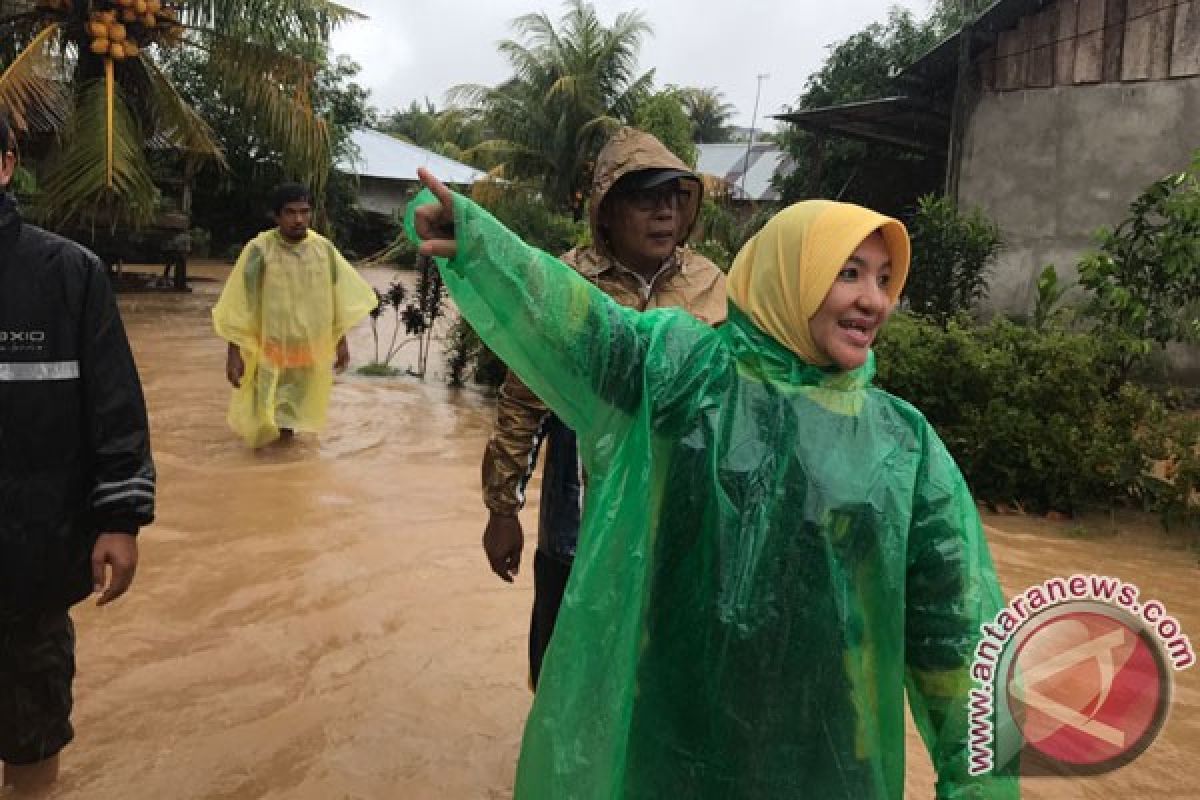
x=772 y=549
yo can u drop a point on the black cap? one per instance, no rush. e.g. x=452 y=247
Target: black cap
x=649 y=178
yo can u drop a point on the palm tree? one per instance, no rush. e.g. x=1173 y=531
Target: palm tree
x=571 y=86
x=88 y=71
x=709 y=113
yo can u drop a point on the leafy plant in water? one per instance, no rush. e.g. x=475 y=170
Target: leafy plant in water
x=416 y=315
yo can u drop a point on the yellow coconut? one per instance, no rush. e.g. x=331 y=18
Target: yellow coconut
x=97 y=30
x=131 y=48
x=150 y=21
x=116 y=32
x=141 y=6
x=100 y=46
x=109 y=16
x=153 y=6
x=116 y=51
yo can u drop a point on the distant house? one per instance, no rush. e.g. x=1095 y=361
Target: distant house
x=386 y=168
x=1068 y=109
x=746 y=176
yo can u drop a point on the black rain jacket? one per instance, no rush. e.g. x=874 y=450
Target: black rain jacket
x=74 y=441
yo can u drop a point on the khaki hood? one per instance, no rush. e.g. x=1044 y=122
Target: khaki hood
x=630 y=150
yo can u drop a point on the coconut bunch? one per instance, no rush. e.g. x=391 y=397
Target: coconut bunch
x=122 y=29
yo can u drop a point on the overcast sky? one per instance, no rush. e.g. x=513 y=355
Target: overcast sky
x=412 y=49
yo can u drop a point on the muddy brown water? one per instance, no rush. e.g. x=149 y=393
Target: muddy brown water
x=318 y=621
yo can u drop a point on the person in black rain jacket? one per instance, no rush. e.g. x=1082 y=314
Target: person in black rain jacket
x=76 y=476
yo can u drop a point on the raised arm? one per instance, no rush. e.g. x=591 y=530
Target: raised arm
x=577 y=349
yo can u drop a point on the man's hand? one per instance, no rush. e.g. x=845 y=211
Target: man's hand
x=435 y=222
x=235 y=368
x=502 y=541
x=343 y=356
x=118 y=552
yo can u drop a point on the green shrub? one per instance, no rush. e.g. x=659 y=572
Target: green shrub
x=952 y=254
x=714 y=251
x=1027 y=414
x=467 y=354
x=1145 y=277
x=529 y=217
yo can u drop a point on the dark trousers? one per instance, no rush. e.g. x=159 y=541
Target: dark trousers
x=549 y=583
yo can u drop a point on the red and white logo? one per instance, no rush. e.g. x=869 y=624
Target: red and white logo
x=1087 y=689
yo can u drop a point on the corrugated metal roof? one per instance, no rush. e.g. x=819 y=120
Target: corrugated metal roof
x=382 y=156
x=728 y=162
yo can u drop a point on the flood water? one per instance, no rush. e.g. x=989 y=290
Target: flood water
x=318 y=620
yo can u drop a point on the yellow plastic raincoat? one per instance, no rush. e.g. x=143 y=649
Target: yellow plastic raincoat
x=286 y=305
x=773 y=554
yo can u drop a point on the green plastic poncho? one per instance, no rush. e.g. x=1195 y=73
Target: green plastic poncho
x=771 y=554
x=286 y=305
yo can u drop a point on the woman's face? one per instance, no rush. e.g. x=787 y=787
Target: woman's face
x=856 y=306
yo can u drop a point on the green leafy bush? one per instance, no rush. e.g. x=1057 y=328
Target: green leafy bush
x=1145 y=277
x=467 y=356
x=528 y=216
x=1027 y=414
x=952 y=255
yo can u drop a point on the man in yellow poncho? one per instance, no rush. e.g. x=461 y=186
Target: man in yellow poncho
x=285 y=311
x=774 y=553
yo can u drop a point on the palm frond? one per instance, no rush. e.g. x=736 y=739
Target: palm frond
x=174 y=120
x=268 y=22
x=278 y=107
x=28 y=92
x=75 y=187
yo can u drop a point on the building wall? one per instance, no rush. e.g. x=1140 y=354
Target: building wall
x=1050 y=166
x=383 y=196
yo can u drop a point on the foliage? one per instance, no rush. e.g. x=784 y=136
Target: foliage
x=233 y=203
x=723 y=232
x=1145 y=277
x=862 y=67
x=89 y=72
x=948 y=16
x=572 y=84
x=1048 y=308
x=465 y=351
x=454 y=132
x=662 y=114
x=1027 y=414
x=416 y=313
x=708 y=113
x=527 y=215
x=952 y=253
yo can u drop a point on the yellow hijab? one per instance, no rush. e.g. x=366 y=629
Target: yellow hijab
x=781 y=276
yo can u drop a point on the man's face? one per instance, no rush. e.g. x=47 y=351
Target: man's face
x=293 y=220
x=643 y=225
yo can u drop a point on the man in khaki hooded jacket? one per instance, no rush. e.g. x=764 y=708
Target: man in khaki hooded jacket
x=643 y=206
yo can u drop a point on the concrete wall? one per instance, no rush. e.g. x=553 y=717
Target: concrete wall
x=1050 y=166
